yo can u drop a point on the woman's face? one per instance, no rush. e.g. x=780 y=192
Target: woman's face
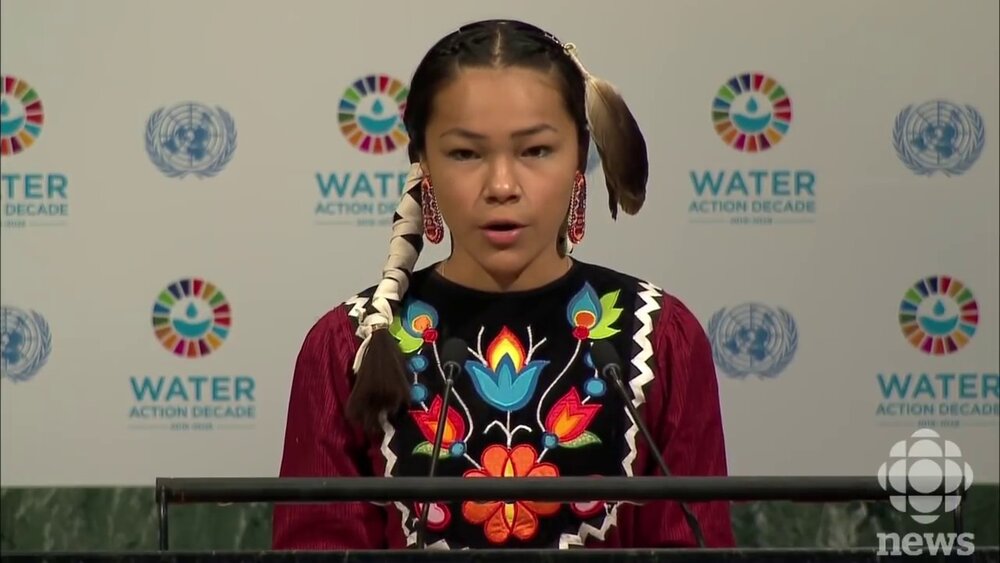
x=502 y=153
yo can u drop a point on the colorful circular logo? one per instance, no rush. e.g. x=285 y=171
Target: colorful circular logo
x=939 y=315
x=21 y=115
x=752 y=112
x=191 y=318
x=371 y=114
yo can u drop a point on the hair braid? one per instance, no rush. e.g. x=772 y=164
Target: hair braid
x=381 y=377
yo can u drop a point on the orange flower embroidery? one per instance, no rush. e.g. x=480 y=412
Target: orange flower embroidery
x=520 y=518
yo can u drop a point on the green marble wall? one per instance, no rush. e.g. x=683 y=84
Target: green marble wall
x=124 y=519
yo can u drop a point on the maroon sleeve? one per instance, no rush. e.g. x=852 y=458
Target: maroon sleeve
x=319 y=442
x=684 y=417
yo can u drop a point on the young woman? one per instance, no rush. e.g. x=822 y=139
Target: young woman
x=500 y=116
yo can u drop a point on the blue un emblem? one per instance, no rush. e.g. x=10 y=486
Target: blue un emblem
x=939 y=136
x=25 y=343
x=190 y=138
x=752 y=339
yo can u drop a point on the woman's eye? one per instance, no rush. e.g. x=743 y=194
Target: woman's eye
x=537 y=152
x=461 y=154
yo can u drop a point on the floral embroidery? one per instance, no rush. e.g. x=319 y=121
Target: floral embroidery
x=506 y=376
x=586 y=509
x=501 y=520
x=505 y=381
x=591 y=317
x=417 y=324
x=438 y=515
x=567 y=421
x=454 y=430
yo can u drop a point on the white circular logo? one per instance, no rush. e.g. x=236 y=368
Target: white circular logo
x=926 y=475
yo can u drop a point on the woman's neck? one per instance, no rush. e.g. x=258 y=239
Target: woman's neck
x=462 y=269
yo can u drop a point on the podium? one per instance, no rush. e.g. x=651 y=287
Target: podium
x=563 y=489
x=982 y=555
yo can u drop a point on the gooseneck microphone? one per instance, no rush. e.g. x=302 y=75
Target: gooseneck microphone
x=609 y=365
x=454 y=352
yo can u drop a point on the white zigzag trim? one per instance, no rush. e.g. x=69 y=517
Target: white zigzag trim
x=650 y=295
x=586 y=530
x=390 y=462
x=357 y=305
x=643 y=373
x=644 y=315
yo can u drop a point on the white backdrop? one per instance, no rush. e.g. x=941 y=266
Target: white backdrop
x=279 y=69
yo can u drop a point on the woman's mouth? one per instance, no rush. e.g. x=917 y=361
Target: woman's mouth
x=502 y=233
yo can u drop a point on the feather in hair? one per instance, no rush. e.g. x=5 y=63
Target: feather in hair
x=619 y=142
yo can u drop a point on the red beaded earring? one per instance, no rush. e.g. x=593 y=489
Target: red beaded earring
x=578 y=209
x=433 y=224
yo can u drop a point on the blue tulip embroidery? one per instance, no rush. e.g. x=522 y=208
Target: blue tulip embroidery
x=507 y=382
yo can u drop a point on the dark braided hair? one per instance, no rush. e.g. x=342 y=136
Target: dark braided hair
x=381 y=386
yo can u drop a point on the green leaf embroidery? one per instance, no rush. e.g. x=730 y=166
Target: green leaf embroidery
x=396 y=327
x=582 y=440
x=410 y=344
x=600 y=331
x=427 y=448
x=407 y=343
x=609 y=314
x=608 y=301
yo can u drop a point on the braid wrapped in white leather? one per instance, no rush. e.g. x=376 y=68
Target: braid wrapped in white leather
x=405 y=245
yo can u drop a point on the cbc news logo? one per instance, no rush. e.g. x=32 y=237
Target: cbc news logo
x=925 y=476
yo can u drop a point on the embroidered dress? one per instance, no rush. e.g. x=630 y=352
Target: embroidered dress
x=528 y=403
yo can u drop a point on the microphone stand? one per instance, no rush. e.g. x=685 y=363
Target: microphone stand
x=613 y=372
x=449 y=369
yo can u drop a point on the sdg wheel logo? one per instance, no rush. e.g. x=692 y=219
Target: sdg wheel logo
x=751 y=112
x=21 y=115
x=371 y=114
x=939 y=315
x=191 y=318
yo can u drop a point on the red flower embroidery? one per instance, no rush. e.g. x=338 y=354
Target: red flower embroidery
x=586 y=509
x=430 y=335
x=438 y=515
x=427 y=421
x=520 y=518
x=569 y=417
x=581 y=333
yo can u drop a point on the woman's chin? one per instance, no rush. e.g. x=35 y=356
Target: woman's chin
x=512 y=265
x=505 y=263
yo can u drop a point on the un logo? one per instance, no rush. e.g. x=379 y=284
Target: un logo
x=753 y=339
x=25 y=343
x=190 y=138
x=939 y=136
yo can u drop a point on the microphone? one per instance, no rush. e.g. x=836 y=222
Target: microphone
x=453 y=355
x=609 y=365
